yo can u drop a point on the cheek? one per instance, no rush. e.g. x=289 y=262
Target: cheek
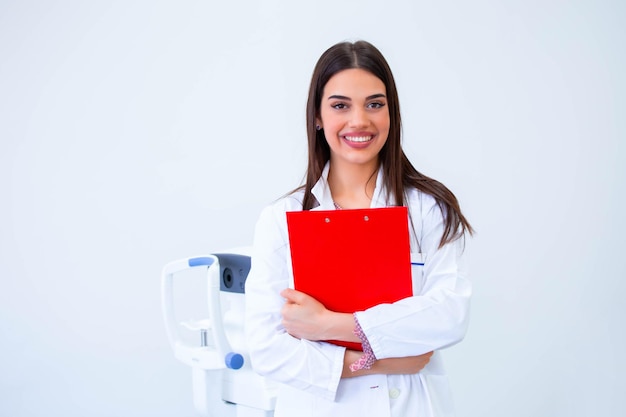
x=331 y=126
x=384 y=124
x=384 y=131
x=327 y=122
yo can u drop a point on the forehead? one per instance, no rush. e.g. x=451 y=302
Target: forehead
x=354 y=83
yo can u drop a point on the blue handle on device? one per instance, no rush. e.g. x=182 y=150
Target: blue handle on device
x=233 y=360
x=201 y=261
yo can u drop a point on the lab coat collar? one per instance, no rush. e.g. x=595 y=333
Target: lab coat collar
x=321 y=191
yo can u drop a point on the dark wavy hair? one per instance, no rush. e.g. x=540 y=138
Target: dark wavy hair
x=398 y=172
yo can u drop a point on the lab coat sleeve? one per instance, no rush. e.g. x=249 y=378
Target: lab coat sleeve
x=314 y=367
x=437 y=315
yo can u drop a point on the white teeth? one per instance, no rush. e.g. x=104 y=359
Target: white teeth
x=358 y=138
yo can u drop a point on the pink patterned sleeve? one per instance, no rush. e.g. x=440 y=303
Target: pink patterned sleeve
x=367 y=360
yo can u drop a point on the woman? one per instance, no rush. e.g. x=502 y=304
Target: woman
x=356 y=161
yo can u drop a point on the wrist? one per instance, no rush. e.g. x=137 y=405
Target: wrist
x=339 y=326
x=350 y=357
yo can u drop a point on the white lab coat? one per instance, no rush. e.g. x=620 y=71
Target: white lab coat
x=310 y=372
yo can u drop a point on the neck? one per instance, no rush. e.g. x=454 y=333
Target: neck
x=352 y=185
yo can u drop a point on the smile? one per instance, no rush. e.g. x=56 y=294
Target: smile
x=358 y=139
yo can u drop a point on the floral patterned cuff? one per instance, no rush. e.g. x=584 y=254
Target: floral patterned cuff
x=367 y=360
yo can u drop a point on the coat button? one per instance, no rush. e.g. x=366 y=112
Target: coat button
x=394 y=393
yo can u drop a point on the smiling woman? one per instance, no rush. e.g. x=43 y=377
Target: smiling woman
x=356 y=161
x=355 y=119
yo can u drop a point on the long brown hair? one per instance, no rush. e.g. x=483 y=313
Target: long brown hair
x=398 y=172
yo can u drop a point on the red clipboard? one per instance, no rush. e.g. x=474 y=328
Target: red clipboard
x=351 y=260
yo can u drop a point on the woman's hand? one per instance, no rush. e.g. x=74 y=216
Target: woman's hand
x=303 y=316
x=391 y=366
x=306 y=318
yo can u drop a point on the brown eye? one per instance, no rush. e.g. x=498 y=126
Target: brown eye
x=376 y=105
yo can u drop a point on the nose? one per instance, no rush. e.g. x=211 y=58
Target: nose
x=358 y=118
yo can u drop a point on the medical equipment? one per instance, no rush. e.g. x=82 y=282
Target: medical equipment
x=224 y=384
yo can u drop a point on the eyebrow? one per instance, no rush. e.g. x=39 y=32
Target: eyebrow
x=338 y=97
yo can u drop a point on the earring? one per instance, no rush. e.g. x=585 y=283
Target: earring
x=318 y=127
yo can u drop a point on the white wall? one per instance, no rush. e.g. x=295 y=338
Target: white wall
x=135 y=133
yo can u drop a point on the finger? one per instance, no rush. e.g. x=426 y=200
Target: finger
x=289 y=310
x=292 y=295
x=286 y=293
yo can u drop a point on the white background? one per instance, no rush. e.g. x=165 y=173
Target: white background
x=134 y=133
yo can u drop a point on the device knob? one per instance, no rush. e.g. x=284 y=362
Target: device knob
x=233 y=360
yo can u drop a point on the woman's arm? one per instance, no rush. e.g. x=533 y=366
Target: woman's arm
x=437 y=315
x=313 y=367
x=306 y=318
x=390 y=366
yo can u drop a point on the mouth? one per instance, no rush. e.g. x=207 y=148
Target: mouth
x=358 y=139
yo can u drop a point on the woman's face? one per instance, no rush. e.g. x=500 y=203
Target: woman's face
x=354 y=116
